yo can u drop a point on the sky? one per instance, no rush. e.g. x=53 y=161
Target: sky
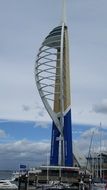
x=23 y=26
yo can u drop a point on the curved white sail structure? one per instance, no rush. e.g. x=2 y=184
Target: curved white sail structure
x=53 y=83
x=47 y=63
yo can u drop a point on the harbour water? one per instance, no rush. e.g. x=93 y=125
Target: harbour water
x=7 y=174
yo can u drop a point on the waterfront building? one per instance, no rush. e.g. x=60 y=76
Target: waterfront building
x=98 y=164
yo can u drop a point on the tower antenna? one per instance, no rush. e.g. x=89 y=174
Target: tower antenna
x=63 y=18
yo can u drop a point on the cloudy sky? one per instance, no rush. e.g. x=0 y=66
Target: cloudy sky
x=23 y=26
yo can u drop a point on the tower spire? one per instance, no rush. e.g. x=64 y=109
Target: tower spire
x=63 y=18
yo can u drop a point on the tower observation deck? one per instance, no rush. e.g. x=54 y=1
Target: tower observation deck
x=52 y=75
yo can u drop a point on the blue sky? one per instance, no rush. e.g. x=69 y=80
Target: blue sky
x=28 y=142
x=16 y=130
x=23 y=27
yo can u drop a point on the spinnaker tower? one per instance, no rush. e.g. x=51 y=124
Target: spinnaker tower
x=52 y=75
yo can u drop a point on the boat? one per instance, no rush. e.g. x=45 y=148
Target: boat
x=6 y=184
x=56 y=185
x=99 y=186
x=15 y=176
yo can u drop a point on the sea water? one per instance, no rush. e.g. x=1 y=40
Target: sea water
x=6 y=174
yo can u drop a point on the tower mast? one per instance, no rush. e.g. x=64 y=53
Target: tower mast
x=63 y=17
x=62 y=85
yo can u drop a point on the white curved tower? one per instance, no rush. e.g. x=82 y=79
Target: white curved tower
x=53 y=83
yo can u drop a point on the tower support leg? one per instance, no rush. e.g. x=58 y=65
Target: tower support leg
x=66 y=143
x=68 y=139
x=54 y=146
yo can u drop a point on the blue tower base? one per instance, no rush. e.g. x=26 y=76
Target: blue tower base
x=54 y=157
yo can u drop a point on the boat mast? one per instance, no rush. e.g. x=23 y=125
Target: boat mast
x=100 y=150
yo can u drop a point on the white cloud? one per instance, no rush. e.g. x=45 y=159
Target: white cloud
x=25 y=107
x=2 y=134
x=23 y=151
x=20 y=40
x=101 y=107
x=83 y=145
x=91 y=132
x=93 y=139
x=42 y=124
